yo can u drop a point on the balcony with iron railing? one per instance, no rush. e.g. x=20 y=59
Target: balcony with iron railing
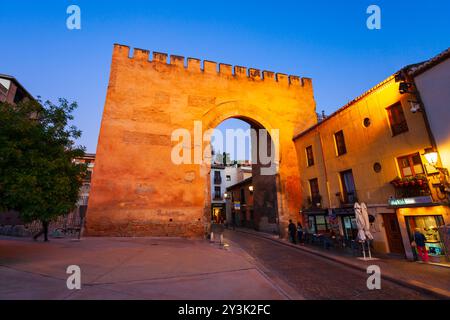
x=409 y=187
x=217 y=180
x=347 y=199
x=314 y=201
x=399 y=127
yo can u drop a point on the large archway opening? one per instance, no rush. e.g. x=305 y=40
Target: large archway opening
x=243 y=176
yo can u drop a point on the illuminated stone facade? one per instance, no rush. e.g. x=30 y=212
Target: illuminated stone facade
x=136 y=189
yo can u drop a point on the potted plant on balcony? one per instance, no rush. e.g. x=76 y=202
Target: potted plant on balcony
x=421 y=180
x=396 y=182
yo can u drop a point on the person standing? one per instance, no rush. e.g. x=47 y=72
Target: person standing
x=419 y=241
x=292 y=231
x=299 y=232
x=233 y=219
x=44 y=231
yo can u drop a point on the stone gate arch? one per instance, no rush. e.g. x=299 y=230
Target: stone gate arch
x=266 y=192
x=136 y=188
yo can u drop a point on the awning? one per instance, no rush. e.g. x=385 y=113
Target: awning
x=315 y=212
x=344 y=211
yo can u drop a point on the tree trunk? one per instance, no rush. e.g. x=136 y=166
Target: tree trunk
x=45 y=226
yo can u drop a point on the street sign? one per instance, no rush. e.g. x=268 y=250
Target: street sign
x=409 y=201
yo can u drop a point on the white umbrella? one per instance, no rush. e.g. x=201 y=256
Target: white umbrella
x=359 y=222
x=366 y=221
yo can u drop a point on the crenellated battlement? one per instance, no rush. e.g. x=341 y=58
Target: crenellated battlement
x=210 y=67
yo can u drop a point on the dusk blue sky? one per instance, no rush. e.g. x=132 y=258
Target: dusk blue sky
x=327 y=41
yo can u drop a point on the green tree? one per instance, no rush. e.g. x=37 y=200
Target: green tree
x=38 y=177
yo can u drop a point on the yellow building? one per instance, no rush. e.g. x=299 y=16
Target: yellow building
x=372 y=151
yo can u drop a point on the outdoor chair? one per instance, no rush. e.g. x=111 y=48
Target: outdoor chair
x=356 y=248
x=307 y=238
x=327 y=242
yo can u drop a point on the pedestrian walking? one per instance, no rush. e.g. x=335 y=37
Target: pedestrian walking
x=419 y=243
x=233 y=220
x=44 y=231
x=299 y=232
x=292 y=231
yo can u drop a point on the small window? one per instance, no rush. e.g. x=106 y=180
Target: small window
x=228 y=177
x=348 y=187
x=217 y=177
x=377 y=167
x=340 y=143
x=4 y=86
x=242 y=196
x=314 y=188
x=309 y=156
x=410 y=165
x=397 y=119
x=3 y=89
x=366 y=122
x=217 y=193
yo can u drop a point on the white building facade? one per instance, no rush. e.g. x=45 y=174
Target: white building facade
x=222 y=177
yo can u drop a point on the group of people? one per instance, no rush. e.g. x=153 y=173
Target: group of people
x=295 y=232
x=419 y=239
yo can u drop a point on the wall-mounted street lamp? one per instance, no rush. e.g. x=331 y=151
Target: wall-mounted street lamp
x=250 y=188
x=225 y=195
x=431 y=156
x=406 y=87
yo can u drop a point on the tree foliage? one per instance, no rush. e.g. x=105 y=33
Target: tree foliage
x=38 y=177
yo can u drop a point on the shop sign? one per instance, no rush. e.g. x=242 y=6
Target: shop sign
x=237 y=206
x=409 y=201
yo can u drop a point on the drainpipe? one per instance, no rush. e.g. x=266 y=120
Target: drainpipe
x=416 y=93
x=324 y=169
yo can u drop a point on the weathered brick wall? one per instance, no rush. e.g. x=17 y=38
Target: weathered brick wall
x=136 y=189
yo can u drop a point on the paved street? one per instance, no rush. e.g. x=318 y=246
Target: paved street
x=249 y=267
x=315 y=277
x=131 y=268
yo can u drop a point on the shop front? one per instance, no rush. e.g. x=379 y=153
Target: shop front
x=433 y=221
x=429 y=226
x=339 y=221
x=218 y=214
x=317 y=221
x=347 y=219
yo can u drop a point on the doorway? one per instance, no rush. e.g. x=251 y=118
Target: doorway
x=393 y=233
